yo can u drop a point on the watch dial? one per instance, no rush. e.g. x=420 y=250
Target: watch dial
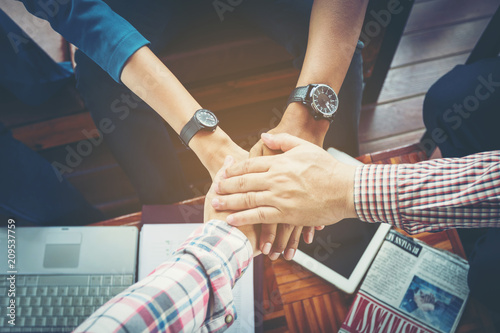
x=206 y=118
x=325 y=100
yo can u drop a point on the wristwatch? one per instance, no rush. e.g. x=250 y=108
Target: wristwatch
x=202 y=119
x=320 y=99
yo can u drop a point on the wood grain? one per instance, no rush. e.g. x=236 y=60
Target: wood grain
x=439 y=42
x=385 y=120
x=391 y=142
x=414 y=80
x=436 y=13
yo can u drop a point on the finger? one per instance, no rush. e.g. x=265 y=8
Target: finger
x=282 y=141
x=242 y=201
x=293 y=243
x=257 y=149
x=320 y=227
x=266 y=151
x=208 y=212
x=282 y=236
x=219 y=175
x=242 y=184
x=251 y=165
x=308 y=234
x=259 y=215
x=267 y=236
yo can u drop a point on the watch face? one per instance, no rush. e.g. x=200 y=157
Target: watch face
x=324 y=100
x=206 y=118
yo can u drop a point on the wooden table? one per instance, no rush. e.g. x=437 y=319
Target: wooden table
x=296 y=300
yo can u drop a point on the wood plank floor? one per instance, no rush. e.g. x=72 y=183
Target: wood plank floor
x=439 y=35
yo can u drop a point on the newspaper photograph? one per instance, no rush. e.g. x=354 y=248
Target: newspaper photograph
x=410 y=287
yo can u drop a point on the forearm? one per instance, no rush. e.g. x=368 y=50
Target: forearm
x=432 y=195
x=156 y=85
x=197 y=281
x=333 y=34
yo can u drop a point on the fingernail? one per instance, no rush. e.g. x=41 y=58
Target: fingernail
x=230 y=219
x=228 y=160
x=215 y=203
x=216 y=186
x=309 y=238
x=266 y=248
x=289 y=254
x=267 y=136
x=274 y=256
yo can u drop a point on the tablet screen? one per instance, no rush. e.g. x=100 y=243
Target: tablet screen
x=341 y=245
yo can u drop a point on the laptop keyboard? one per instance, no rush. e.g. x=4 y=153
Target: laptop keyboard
x=57 y=303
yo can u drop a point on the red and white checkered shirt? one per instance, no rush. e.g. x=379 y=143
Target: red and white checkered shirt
x=431 y=195
x=191 y=291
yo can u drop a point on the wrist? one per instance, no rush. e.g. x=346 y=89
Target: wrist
x=207 y=145
x=350 y=207
x=250 y=231
x=297 y=120
x=345 y=174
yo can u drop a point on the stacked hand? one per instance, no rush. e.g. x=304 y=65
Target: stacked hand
x=286 y=184
x=304 y=186
x=251 y=231
x=425 y=302
x=281 y=236
x=269 y=234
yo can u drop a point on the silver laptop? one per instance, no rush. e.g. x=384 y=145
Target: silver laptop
x=53 y=278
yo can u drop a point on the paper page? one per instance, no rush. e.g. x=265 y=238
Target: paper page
x=159 y=241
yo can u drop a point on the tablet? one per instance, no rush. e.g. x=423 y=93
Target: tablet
x=341 y=253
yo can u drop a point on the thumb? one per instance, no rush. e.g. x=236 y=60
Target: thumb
x=282 y=141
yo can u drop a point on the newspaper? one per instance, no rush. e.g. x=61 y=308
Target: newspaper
x=410 y=287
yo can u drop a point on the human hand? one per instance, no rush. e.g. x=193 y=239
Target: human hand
x=251 y=231
x=305 y=186
x=213 y=149
x=425 y=302
x=296 y=121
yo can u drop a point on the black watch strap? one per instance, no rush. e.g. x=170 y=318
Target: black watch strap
x=299 y=94
x=189 y=130
x=194 y=125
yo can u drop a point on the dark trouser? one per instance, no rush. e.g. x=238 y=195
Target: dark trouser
x=140 y=141
x=462 y=111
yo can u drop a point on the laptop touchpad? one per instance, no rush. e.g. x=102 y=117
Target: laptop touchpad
x=62 y=250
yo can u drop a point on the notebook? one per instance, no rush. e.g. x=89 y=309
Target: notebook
x=57 y=276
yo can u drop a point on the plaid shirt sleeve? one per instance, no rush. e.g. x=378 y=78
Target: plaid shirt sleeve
x=431 y=195
x=192 y=291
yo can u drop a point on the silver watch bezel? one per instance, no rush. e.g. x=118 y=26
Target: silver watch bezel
x=313 y=100
x=202 y=123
